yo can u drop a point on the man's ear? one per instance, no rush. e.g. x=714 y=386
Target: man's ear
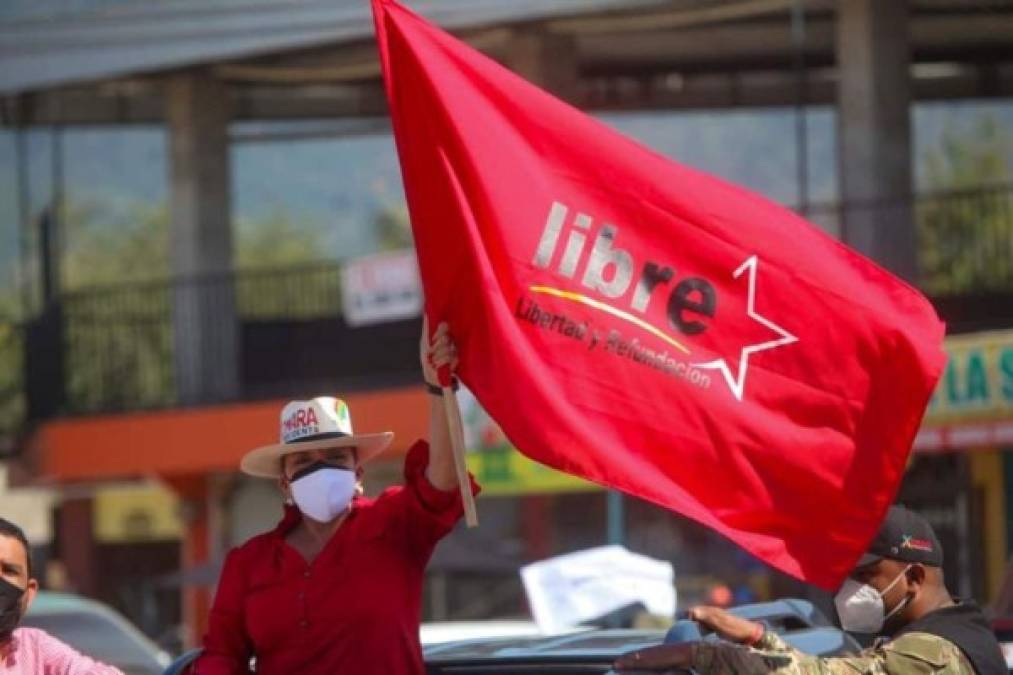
x=916 y=576
x=30 y=590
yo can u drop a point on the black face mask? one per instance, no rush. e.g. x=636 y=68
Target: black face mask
x=10 y=607
x=315 y=466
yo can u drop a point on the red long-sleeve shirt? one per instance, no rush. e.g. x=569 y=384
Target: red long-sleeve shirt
x=354 y=609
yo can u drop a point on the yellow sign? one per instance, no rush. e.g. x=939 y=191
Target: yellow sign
x=505 y=471
x=499 y=468
x=134 y=514
x=977 y=384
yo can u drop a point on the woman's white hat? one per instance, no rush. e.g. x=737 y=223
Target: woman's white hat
x=318 y=424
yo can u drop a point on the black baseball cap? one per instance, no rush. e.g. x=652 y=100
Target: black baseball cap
x=906 y=537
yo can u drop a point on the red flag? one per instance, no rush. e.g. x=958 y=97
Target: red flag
x=649 y=327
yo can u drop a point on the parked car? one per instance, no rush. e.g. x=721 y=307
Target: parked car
x=96 y=630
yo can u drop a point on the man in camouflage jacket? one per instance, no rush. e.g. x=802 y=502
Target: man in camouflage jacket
x=896 y=590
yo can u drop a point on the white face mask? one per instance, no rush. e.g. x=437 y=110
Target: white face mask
x=324 y=493
x=861 y=608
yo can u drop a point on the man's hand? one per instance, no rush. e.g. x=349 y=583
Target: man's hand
x=727 y=625
x=436 y=353
x=662 y=659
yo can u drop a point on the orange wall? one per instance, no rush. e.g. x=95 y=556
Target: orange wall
x=201 y=440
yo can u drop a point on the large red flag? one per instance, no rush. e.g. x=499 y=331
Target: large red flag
x=649 y=327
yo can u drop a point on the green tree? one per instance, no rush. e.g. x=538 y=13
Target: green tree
x=965 y=234
x=135 y=247
x=393 y=228
x=12 y=398
x=131 y=246
x=276 y=240
x=282 y=274
x=117 y=303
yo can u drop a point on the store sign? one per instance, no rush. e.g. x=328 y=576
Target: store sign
x=978 y=380
x=132 y=514
x=498 y=467
x=380 y=288
x=973 y=404
x=30 y=507
x=971 y=408
x=505 y=471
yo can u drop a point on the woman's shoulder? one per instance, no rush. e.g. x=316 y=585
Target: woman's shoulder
x=255 y=546
x=381 y=503
x=375 y=513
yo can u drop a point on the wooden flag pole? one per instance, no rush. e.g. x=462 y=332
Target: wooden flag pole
x=454 y=423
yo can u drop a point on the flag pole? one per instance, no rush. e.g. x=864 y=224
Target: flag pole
x=454 y=423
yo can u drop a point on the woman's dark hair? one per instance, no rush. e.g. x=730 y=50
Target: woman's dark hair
x=9 y=529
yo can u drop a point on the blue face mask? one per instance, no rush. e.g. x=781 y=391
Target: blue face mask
x=10 y=607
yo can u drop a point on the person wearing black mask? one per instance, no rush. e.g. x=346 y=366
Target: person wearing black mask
x=28 y=651
x=896 y=591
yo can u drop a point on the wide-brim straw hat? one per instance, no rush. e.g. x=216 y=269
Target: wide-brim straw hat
x=321 y=423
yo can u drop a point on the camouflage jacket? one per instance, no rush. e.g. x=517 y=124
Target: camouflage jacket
x=909 y=654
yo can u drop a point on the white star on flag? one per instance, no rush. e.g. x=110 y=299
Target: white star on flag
x=738 y=383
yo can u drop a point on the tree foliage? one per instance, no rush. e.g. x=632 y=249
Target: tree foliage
x=117 y=293
x=393 y=228
x=965 y=234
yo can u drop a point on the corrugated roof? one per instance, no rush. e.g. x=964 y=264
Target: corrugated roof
x=37 y=54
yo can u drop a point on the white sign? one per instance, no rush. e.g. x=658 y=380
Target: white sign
x=571 y=589
x=382 y=287
x=31 y=508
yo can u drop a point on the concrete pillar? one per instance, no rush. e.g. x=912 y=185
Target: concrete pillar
x=76 y=546
x=548 y=60
x=204 y=313
x=873 y=100
x=196 y=551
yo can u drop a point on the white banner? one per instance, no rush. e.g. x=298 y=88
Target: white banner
x=571 y=589
x=382 y=287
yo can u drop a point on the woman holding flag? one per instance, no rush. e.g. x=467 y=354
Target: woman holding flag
x=336 y=587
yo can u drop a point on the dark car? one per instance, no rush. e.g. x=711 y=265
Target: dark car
x=593 y=651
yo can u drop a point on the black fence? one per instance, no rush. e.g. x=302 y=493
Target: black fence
x=123 y=348
x=965 y=241
x=13 y=398
x=118 y=343
x=245 y=336
x=963 y=238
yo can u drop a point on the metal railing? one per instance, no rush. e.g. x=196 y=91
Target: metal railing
x=963 y=238
x=119 y=341
x=965 y=241
x=12 y=386
x=118 y=348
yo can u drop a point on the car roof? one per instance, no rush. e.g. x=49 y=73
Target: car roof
x=798 y=622
x=592 y=644
x=79 y=618
x=610 y=643
x=50 y=602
